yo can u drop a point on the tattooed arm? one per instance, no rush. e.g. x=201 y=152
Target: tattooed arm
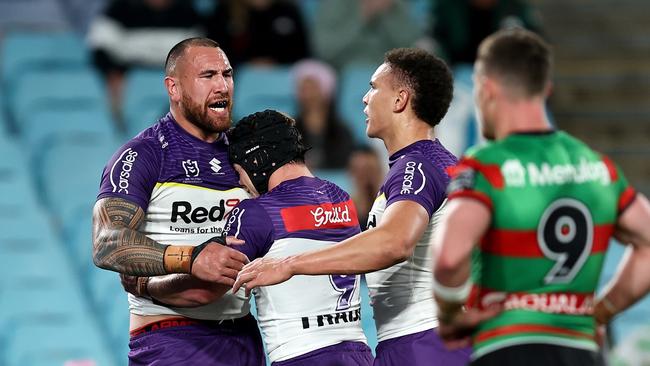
x=119 y=246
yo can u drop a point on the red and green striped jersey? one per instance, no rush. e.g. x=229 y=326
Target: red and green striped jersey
x=554 y=203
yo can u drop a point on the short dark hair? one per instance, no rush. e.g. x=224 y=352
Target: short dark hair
x=520 y=58
x=428 y=77
x=177 y=51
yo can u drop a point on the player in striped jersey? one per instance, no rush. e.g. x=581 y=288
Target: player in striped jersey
x=530 y=216
x=308 y=320
x=409 y=94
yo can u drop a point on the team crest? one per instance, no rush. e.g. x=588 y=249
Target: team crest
x=191 y=168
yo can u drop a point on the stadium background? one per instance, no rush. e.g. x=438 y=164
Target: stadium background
x=57 y=132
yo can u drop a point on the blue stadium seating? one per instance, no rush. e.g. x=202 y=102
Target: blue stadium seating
x=339 y=177
x=259 y=88
x=18 y=193
x=28 y=51
x=48 y=124
x=353 y=86
x=68 y=171
x=145 y=99
x=78 y=89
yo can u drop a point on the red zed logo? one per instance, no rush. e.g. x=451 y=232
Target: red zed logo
x=324 y=216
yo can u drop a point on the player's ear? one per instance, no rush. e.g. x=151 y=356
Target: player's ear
x=401 y=101
x=172 y=89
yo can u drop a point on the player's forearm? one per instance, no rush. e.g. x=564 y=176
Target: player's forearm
x=369 y=251
x=182 y=290
x=631 y=283
x=118 y=246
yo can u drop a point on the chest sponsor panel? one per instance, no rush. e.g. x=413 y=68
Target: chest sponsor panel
x=177 y=210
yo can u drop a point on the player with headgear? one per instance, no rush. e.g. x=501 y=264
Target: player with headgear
x=309 y=320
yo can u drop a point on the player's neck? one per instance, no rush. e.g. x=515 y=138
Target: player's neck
x=406 y=132
x=288 y=172
x=522 y=116
x=193 y=129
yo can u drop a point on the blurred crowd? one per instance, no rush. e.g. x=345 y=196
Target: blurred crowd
x=316 y=39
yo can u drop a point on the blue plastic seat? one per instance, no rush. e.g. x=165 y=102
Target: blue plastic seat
x=258 y=88
x=18 y=194
x=69 y=171
x=47 y=124
x=74 y=339
x=28 y=51
x=145 y=99
x=353 y=85
x=78 y=89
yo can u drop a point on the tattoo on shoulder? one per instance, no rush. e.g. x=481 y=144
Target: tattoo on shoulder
x=117 y=243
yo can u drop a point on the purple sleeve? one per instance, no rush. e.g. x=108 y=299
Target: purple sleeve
x=131 y=173
x=250 y=222
x=415 y=179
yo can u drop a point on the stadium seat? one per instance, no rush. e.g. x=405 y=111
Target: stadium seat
x=69 y=169
x=18 y=195
x=71 y=340
x=145 y=99
x=259 y=88
x=47 y=124
x=79 y=89
x=353 y=85
x=77 y=235
x=25 y=52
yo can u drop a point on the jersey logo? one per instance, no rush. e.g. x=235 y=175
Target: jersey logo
x=324 y=216
x=409 y=175
x=215 y=165
x=191 y=168
x=127 y=158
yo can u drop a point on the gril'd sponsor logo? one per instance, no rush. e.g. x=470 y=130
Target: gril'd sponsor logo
x=191 y=168
x=127 y=158
x=334 y=215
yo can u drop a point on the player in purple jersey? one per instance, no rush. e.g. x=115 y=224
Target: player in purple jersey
x=409 y=94
x=164 y=196
x=319 y=316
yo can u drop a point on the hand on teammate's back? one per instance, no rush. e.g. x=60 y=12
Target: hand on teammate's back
x=262 y=272
x=219 y=263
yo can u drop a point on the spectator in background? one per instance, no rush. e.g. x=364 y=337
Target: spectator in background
x=365 y=170
x=461 y=25
x=361 y=31
x=317 y=120
x=138 y=33
x=259 y=31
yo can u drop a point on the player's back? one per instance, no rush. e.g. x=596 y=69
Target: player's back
x=554 y=203
x=304 y=313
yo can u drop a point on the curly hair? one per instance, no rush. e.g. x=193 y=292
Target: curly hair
x=429 y=79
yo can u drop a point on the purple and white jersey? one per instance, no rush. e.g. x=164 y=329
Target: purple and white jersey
x=305 y=313
x=186 y=188
x=401 y=294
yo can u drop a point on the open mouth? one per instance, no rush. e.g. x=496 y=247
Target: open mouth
x=219 y=106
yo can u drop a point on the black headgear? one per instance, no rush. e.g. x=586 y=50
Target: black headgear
x=262 y=142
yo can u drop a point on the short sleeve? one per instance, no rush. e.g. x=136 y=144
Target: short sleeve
x=626 y=193
x=476 y=180
x=249 y=221
x=415 y=179
x=131 y=173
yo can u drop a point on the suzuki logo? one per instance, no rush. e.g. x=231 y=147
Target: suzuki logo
x=215 y=165
x=191 y=168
